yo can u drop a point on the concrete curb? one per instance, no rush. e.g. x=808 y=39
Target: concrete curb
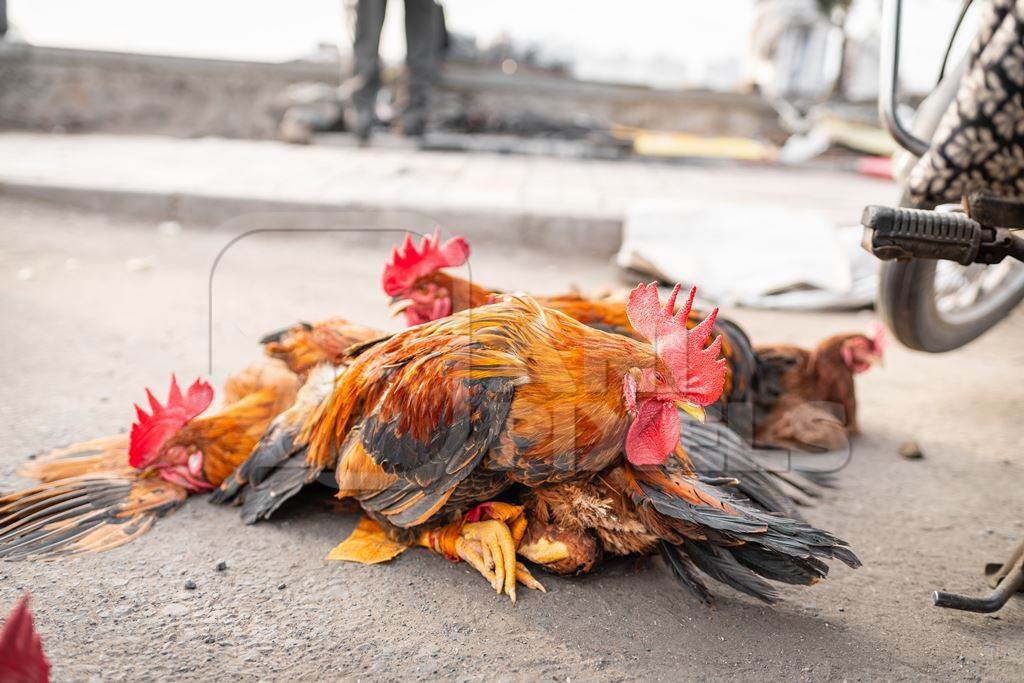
x=569 y=234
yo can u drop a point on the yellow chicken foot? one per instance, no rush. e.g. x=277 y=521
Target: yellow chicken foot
x=487 y=539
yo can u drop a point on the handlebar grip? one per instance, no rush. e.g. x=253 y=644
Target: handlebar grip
x=913 y=233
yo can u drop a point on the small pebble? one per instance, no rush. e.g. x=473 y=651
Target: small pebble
x=280 y=586
x=910 y=450
x=190 y=584
x=222 y=565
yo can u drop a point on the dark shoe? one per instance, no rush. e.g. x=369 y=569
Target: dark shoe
x=363 y=126
x=362 y=131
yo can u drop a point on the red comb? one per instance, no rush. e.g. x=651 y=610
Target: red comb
x=21 y=649
x=409 y=263
x=150 y=430
x=681 y=349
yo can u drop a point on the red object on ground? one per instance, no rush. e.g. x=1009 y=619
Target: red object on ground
x=21 y=650
x=876 y=167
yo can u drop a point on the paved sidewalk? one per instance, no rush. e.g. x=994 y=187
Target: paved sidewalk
x=210 y=179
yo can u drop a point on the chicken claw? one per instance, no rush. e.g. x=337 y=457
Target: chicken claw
x=489 y=546
x=488 y=538
x=524 y=577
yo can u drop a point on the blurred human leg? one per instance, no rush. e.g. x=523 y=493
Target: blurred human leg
x=369 y=22
x=422 y=19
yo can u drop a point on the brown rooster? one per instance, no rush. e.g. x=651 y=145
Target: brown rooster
x=806 y=399
x=104 y=493
x=426 y=427
x=570 y=526
x=562 y=543
x=784 y=385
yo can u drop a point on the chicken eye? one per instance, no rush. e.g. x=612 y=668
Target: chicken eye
x=658 y=377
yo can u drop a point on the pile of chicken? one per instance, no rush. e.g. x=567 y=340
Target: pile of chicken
x=496 y=428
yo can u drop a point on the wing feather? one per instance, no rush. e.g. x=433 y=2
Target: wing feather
x=427 y=470
x=413 y=416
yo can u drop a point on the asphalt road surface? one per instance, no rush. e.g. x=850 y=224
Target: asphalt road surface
x=95 y=308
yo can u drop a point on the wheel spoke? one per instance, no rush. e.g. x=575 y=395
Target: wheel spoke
x=959 y=288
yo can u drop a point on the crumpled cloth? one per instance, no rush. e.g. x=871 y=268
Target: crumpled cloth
x=760 y=256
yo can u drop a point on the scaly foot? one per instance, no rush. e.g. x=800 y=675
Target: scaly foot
x=489 y=547
x=487 y=540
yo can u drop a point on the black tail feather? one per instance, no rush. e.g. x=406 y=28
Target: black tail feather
x=274 y=472
x=716 y=450
x=276 y=469
x=741 y=541
x=359 y=348
x=263 y=499
x=685 y=571
x=275 y=448
x=720 y=565
x=778 y=567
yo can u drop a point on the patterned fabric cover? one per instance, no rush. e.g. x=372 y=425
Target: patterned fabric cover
x=979 y=143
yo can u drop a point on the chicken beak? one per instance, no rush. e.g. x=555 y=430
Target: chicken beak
x=694 y=411
x=398 y=306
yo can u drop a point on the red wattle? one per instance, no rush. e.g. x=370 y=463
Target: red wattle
x=653 y=434
x=181 y=477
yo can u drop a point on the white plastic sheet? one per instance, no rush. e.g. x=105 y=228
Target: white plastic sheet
x=764 y=256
